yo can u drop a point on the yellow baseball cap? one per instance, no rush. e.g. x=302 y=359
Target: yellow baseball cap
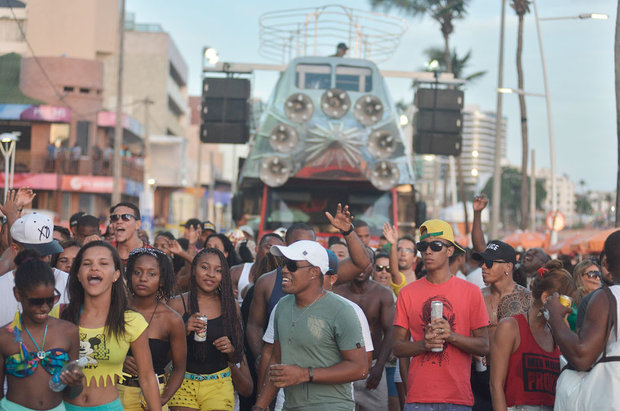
x=439 y=229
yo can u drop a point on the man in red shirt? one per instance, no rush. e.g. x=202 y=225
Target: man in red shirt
x=439 y=380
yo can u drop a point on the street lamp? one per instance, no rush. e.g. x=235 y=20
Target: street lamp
x=8 y=151
x=582 y=16
x=554 y=199
x=505 y=90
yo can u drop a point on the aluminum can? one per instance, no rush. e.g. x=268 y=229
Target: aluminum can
x=480 y=364
x=436 y=312
x=201 y=335
x=566 y=301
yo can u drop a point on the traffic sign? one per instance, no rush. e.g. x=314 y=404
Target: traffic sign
x=555 y=221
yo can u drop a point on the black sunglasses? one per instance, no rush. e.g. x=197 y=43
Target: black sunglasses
x=489 y=263
x=592 y=274
x=124 y=217
x=50 y=301
x=292 y=266
x=382 y=267
x=435 y=246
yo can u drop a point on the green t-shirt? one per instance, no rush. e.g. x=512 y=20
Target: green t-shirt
x=314 y=336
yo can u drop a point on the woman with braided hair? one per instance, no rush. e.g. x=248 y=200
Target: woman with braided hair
x=150 y=279
x=213 y=363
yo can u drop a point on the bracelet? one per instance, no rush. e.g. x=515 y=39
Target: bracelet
x=310 y=374
x=349 y=231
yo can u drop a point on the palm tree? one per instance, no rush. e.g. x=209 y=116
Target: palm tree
x=459 y=64
x=521 y=7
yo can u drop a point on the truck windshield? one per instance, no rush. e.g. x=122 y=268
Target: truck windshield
x=308 y=205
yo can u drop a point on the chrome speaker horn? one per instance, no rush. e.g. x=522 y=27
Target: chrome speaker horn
x=299 y=108
x=275 y=171
x=384 y=175
x=335 y=103
x=381 y=144
x=283 y=138
x=368 y=110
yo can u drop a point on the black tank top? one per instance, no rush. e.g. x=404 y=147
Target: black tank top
x=159 y=354
x=215 y=360
x=276 y=293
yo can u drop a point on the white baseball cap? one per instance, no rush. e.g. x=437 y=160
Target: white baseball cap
x=304 y=250
x=36 y=231
x=247 y=229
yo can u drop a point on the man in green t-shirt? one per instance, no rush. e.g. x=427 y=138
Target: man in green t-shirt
x=318 y=348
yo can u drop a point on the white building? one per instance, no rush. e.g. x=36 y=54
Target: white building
x=565 y=194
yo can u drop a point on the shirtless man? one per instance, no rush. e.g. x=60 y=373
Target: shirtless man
x=268 y=288
x=243 y=275
x=377 y=303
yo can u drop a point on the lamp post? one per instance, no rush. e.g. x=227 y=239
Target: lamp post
x=554 y=197
x=8 y=151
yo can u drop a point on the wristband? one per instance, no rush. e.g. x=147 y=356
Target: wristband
x=349 y=231
x=310 y=374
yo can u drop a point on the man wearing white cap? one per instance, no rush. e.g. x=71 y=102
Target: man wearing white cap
x=32 y=231
x=319 y=348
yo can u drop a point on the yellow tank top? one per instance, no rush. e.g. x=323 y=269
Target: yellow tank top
x=106 y=354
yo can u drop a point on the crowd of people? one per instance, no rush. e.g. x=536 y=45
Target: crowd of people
x=209 y=321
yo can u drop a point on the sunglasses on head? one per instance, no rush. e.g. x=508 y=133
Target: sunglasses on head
x=489 y=263
x=592 y=274
x=124 y=217
x=292 y=265
x=50 y=301
x=382 y=267
x=435 y=246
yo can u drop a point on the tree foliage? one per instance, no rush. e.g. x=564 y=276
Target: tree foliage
x=511 y=194
x=459 y=63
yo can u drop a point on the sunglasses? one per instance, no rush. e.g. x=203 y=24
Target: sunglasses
x=592 y=274
x=435 y=246
x=49 y=301
x=382 y=267
x=124 y=217
x=489 y=263
x=292 y=266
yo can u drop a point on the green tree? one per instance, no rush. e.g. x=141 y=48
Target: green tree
x=522 y=7
x=511 y=193
x=459 y=64
x=442 y=11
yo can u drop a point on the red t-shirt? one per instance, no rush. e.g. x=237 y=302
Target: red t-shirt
x=532 y=371
x=441 y=377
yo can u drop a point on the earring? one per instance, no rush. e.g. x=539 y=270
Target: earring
x=506 y=273
x=219 y=289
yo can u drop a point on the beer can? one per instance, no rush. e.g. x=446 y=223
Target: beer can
x=201 y=335
x=566 y=301
x=436 y=312
x=481 y=365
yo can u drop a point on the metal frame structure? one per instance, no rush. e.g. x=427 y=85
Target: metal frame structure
x=286 y=34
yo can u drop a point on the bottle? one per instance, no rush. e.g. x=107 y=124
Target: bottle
x=56 y=384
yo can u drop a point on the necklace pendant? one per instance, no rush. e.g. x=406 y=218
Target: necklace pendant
x=41 y=355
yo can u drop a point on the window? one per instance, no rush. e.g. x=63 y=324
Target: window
x=313 y=76
x=84 y=90
x=67 y=89
x=83 y=136
x=352 y=78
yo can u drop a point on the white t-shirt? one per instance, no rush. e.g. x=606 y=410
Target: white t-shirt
x=9 y=305
x=475 y=277
x=268 y=337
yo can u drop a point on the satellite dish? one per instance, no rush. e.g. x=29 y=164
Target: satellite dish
x=384 y=175
x=298 y=108
x=283 y=138
x=275 y=171
x=381 y=143
x=368 y=110
x=335 y=103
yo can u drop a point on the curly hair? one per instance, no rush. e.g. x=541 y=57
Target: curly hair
x=115 y=321
x=166 y=272
x=230 y=318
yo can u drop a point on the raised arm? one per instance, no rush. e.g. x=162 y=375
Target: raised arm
x=359 y=260
x=391 y=234
x=477 y=235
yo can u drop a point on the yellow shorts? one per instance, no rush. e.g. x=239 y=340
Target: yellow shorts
x=131 y=397
x=216 y=393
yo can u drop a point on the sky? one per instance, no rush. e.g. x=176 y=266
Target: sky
x=578 y=54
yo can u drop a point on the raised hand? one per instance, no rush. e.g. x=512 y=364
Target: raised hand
x=480 y=202
x=24 y=197
x=390 y=233
x=10 y=208
x=343 y=218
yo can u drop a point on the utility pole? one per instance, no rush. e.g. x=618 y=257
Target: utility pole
x=118 y=129
x=147 y=203
x=533 y=195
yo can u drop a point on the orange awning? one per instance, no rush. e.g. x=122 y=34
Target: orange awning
x=526 y=239
x=563 y=246
x=597 y=241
